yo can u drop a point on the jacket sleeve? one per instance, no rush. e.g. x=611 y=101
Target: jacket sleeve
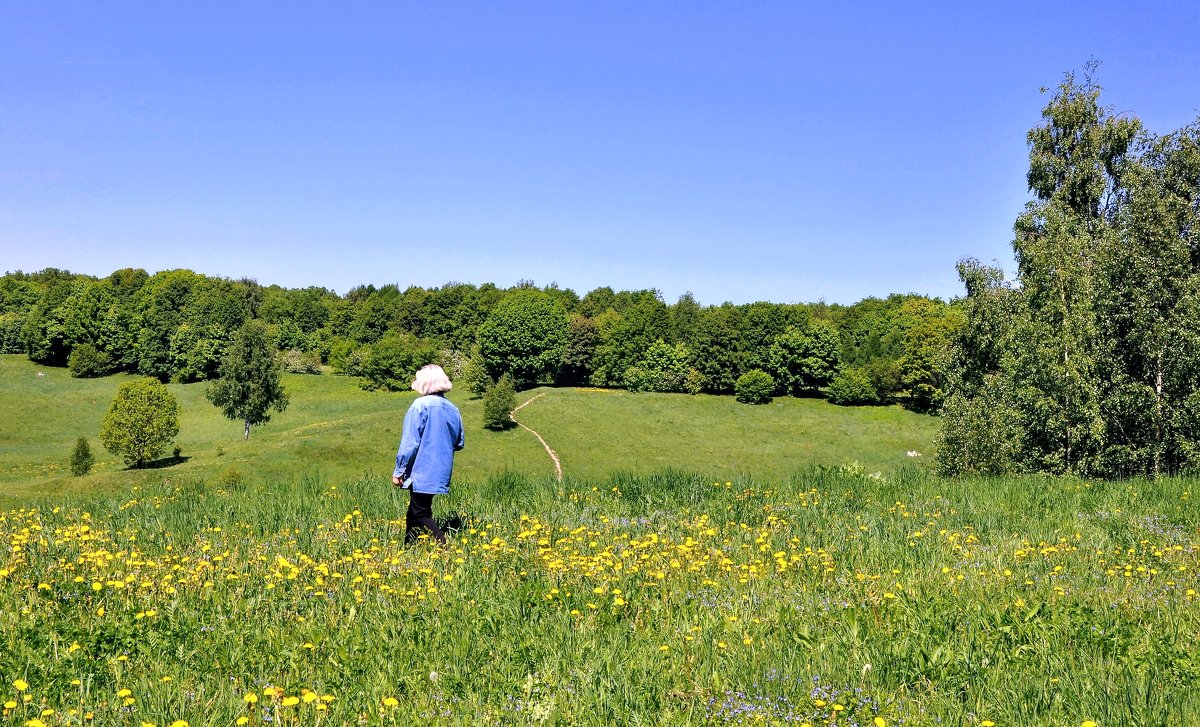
x=410 y=441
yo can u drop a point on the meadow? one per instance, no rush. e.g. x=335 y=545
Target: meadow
x=791 y=586
x=335 y=430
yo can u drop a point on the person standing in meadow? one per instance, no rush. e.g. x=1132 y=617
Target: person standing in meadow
x=433 y=432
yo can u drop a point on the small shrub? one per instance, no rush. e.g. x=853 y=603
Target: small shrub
x=886 y=377
x=694 y=382
x=336 y=352
x=475 y=376
x=296 y=361
x=87 y=362
x=498 y=401
x=82 y=459
x=231 y=477
x=663 y=368
x=853 y=387
x=754 y=387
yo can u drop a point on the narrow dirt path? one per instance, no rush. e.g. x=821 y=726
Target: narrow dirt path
x=551 y=452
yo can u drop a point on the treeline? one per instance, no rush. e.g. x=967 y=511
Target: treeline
x=176 y=325
x=1088 y=363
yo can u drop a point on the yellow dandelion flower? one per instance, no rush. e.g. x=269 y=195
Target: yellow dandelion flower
x=291 y=701
x=242 y=720
x=250 y=698
x=124 y=693
x=390 y=702
x=880 y=722
x=180 y=723
x=20 y=685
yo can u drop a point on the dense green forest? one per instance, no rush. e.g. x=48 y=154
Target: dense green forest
x=176 y=326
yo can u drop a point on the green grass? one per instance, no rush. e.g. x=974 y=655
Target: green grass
x=597 y=432
x=834 y=598
x=331 y=427
x=335 y=429
x=768 y=590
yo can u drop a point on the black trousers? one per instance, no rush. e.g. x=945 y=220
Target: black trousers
x=420 y=517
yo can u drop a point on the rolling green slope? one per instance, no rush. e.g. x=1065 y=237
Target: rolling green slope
x=336 y=431
x=597 y=431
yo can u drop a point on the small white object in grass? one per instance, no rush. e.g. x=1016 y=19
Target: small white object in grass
x=433 y=676
x=913 y=453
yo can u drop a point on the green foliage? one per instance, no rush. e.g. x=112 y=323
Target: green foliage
x=299 y=362
x=289 y=336
x=194 y=356
x=1148 y=301
x=338 y=355
x=141 y=422
x=498 y=403
x=11 y=323
x=81 y=458
x=719 y=348
x=805 y=359
x=1090 y=365
x=524 y=337
x=626 y=334
x=852 y=387
x=391 y=362
x=926 y=354
x=663 y=368
x=981 y=434
x=755 y=387
x=578 y=357
x=475 y=376
x=251 y=379
x=885 y=376
x=85 y=362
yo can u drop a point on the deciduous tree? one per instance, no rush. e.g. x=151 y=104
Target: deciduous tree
x=251 y=383
x=141 y=421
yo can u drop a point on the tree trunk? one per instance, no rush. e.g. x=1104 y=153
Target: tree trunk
x=247 y=434
x=1158 y=422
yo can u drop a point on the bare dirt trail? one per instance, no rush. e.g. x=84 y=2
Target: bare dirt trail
x=549 y=451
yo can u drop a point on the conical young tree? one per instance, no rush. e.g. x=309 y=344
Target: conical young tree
x=251 y=379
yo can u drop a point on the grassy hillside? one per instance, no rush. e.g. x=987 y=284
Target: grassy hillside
x=597 y=431
x=337 y=431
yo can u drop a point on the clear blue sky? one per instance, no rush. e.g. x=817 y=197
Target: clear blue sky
x=743 y=151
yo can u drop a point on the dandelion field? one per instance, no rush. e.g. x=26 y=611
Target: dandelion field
x=834 y=597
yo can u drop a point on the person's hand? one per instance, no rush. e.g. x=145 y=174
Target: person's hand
x=396 y=481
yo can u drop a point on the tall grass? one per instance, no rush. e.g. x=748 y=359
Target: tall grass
x=833 y=596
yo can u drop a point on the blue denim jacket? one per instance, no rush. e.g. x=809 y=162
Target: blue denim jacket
x=433 y=432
